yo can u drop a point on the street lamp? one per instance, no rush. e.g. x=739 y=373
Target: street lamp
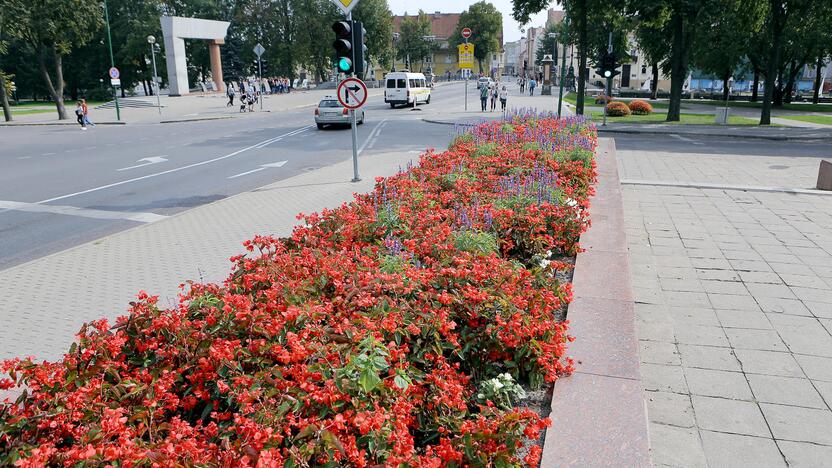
x=112 y=60
x=395 y=41
x=563 y=65
x=153 y=45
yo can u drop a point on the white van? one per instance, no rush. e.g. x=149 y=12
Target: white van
x=406 y=88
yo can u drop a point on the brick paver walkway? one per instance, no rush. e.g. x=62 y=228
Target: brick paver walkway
x=733 y=296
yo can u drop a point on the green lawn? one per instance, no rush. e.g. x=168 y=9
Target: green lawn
x=659 y=117
x=31 y=110
x=757 y=105
x=818 y=119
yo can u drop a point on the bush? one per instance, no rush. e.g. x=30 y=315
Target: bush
x=394 y=330
x=617 y=109
x=639 y=107
x=602 y=99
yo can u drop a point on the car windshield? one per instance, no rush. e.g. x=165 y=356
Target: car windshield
x=329 y=103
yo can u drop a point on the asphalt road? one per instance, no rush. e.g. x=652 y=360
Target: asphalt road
x=60 y=187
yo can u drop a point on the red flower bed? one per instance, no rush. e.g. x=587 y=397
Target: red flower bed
x=374 y=335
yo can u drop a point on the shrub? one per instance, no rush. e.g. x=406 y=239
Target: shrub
x=639 y=107
x=393 y=330
x=618 y=109
x=603 y=99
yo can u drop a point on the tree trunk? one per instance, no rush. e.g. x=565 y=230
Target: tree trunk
x=57 y=93
x=654 y=86
x=582 y=50
x=678 y=67
x=818 y=79
x=794 y=69
x=7 y=111
x=777 y=23
x=144 y=85
x=778 y=90
x=756 y=84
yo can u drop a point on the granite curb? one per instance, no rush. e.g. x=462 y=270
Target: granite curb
x=598 y=413
x=794 y=134
x=66 y=123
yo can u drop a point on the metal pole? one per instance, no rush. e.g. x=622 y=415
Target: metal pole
x=260 y=80
x=563 y=67
x=353 y=129
x=112 y=61
x=155 y=78
x=609 y=80
x=465 y=71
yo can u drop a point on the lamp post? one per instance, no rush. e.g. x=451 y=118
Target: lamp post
x=112 y=60
x=152 y=41
x=563 y=65
x=395 y=42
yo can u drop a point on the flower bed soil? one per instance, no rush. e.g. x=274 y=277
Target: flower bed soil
x=398 y=329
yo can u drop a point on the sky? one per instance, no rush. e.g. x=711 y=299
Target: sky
x=511 y=30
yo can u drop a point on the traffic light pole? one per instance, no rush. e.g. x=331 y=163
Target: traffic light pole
x=112 y=61
x=466 y=82
x=260 y=80
x=563 y=66
x=609 y=81
x=353 y=129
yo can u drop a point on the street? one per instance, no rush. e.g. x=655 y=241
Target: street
x=61 y=187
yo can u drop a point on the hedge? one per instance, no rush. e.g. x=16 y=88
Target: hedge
x=393 y=330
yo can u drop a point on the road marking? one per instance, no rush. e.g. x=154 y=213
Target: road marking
x=48 y=154
x=261 y=168
x=373 y=134
x=82 y=212
x=296 y=132
x=24 y=157
x=176 y=169
x=147 y=162
x=685 y=139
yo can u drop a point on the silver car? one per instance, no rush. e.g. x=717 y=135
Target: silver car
x=331 y=112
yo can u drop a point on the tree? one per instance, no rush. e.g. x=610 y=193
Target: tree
x=653 y=41
x=4 y=95
x=486 y=24
x=415 y=38
x=777 y=17
x=378 y=21
x=547 y=44
x=51 y=29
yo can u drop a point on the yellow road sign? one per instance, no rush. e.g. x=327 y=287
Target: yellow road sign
x=466 y=56
x=345 y=5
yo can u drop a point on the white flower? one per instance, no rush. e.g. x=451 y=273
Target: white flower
x=497 y=384
x=545 y=263
x=570 y=202
x=480 y=396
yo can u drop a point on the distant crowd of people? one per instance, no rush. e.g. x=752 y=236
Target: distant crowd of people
x=251 y=89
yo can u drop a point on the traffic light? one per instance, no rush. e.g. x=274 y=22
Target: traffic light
x=359 y=49
x=343 y=46
x=607 y=65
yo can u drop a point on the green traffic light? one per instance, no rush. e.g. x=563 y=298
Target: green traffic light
x=344 y=64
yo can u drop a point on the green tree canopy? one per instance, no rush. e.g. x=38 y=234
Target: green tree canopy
x=486 y=24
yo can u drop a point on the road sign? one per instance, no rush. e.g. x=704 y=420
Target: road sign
x=259 y=49
x=466 y=32
x=115 y=82
x=466 y=56
x=352 y=93
x=345 y=6
x=114 y=73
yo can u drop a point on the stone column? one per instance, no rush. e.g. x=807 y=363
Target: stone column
x=216 y=63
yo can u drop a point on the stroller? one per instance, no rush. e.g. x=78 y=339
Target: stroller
x=243 y=102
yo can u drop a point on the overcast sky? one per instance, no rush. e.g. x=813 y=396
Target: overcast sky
x=511 y=30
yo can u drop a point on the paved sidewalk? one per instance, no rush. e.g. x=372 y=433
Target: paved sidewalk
x=733 y=300
x=748 y=131
x=47 y=300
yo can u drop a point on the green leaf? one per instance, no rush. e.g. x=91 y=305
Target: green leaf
x=401 y=382
x=368 y=380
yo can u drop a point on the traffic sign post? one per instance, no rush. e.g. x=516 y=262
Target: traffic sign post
x=352 y=94
x=466 y=60
x=258 y=50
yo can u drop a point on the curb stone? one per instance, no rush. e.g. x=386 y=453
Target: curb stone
x=54 y=124
x=598 y=413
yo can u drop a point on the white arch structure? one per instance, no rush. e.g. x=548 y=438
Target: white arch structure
x=175 y=30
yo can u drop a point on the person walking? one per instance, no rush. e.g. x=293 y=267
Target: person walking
x=532 y=84
x=79 y=115
x=86 y=110
x=503 y=98
x=230 y=93
x=494 y=92
x=522 y=85
x=484 y=96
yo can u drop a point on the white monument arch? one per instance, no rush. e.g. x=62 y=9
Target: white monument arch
x=175 y=30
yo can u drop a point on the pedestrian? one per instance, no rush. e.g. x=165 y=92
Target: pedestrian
x=252 y=98
x=532 y=84
x=503 y=98
x=484 y=96
x=522 y=85
x=494 y=93
x=86 y=112
x=243 y=100
x=79 y=114
x=230 y=93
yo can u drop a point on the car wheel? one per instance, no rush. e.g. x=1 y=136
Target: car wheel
x=361 y=122
x=428 y=101
x=320 y=126
x=392 y=105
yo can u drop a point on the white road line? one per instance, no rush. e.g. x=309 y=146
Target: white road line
x=376 y=131
x=296 y=132
x=147 y=162
x=48 y=154
x=82 y=212
x=247 y=172
x=24 y=157
x=685 y=139
x=177 y=169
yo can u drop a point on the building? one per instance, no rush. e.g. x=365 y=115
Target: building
x=511 y=57
x=445 y=60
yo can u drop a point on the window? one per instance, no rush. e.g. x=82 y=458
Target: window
x=329 y=103
x=449 y=58
x=400 y=83
x=391 y=83
x=413 y=83
x=643 y=69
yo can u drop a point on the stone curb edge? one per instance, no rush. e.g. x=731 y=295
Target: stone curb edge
x=599 y=416
x=712 y=135
x=53 y=124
